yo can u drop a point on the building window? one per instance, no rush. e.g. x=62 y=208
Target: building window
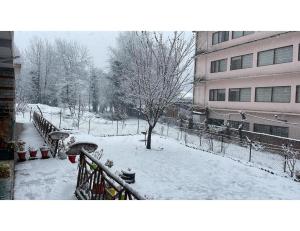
x=240 y=94
x=236 y=124
x=241 y=62
x=219 y=37
x=298 y=94
x=275 y=56
x=273 y=94
x=217 y=95
x=272 y=130
x=217 y=122
x=237 y=34
x=218 y=66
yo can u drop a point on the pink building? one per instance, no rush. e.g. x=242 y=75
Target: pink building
x=254 y=72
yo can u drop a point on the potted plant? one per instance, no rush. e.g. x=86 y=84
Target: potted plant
x=21 y=150
x=44 y=151
x=72 y=158
x=32 y=152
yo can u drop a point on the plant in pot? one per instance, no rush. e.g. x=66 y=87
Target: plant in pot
x=44 y=151
x=32 y=152
x=72 y=158
x=21 y=150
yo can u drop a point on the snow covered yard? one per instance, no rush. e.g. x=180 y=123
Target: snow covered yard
x=173 y=171
x=169 y=171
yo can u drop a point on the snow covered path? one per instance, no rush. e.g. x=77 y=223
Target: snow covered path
x=43 y=179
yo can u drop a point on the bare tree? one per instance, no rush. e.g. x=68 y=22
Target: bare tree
x=156 y=69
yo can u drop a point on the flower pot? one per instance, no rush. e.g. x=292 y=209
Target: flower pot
x=33 y=153
x=72 y=158
x=44 y=153
x=98 y=188
x=22 y=155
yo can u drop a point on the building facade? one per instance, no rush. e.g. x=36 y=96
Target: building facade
x=7 y=93
x=254 y=72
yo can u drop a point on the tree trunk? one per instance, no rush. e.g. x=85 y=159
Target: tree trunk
x=149 y=137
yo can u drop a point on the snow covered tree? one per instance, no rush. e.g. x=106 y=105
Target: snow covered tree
x=74 y=61
x=34 y=55
x=156 y=69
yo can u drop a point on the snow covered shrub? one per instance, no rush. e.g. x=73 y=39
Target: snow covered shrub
x=291 y=156
x=109 y=163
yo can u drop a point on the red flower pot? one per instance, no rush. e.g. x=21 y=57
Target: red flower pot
x=45 y=154
x=22 y=155
x=33 y=153
x=98 y=188
x=72 y=158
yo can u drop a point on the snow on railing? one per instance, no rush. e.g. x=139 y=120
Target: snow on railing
x=45 y=127
x=96 y=182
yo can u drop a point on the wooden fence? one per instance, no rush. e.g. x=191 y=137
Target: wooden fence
x=96 y=182
x=45 y=127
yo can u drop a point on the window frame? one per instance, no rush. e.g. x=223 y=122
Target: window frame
x=244 y=33
x=272 y=90
x=241 y=56
x=215 y=122
x=274 y=51
x=271 y=129
x=219 y=34
x=246 y=124
x=229 y=100
x=218 y=65
x=217 y=94
x=297 y=93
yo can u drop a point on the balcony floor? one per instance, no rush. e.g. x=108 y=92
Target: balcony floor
x=39 y=179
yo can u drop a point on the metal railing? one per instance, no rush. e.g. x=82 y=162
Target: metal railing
x=96 y=182
x=45 y=127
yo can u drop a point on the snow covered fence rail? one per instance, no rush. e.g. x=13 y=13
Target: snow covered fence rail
x=96 y=182
x=44 y=127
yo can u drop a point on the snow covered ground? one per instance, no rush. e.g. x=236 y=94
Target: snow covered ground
x=103 y=127
x=42 y=179
x=169 y=171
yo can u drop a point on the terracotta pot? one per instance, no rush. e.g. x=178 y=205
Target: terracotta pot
x=72 y=158
x=98 y=188
x=33 y=153
x=22 y=155
x=44 y=153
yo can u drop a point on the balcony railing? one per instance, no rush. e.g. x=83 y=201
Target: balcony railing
x=96 y=182
x=45 y=127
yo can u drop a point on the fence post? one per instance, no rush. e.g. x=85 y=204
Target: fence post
x=284 y=164
x=167 y=129
x=60 y=118
x=222 y=140
x=30 y=113
x=89 y=126
x=200 y=140
x=250 y=151
x=117 y=127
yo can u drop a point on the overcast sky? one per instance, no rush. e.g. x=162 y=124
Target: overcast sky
x=97 y=42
